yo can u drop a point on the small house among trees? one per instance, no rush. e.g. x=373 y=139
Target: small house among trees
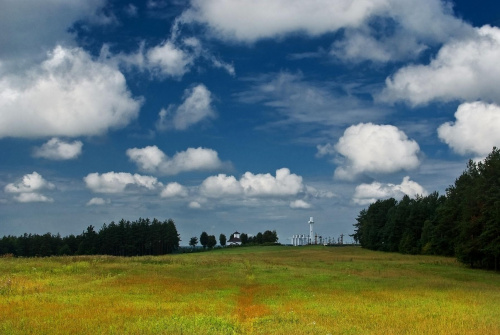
x=235 y=239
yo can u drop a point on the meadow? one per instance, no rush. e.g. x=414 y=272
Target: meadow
x=248 y=290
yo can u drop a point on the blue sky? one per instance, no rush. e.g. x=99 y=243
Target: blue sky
x=238 y=115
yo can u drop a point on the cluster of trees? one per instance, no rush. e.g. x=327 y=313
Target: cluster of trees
x=465 y=223
x=209 y=241
x=125 y=238
x=268 y=237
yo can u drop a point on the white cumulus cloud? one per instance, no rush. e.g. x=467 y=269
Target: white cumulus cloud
x=416 y=24
x=98 y=202
x=300 y=204
x=220 y=185
x=194 y=205
x=64 y=97
x=153 y=160
x=168 y=60
x=476 y=129
x=117 y=182
x=197 y=106
x=370 y=148
x=29 y=188
x=283 y=184
x=32 y=197
x=369 y=193
x=32 y=182
x=174 y=190
x=253 y=185
x=252 y=20
x=464 y=69
x=58 y=149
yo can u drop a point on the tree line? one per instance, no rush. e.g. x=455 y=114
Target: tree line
x=125 y=238
x=464 y=223
x=209 y=241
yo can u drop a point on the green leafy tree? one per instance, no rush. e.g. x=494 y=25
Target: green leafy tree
x=204 y=239
x=193 y=241
x=244 y=238
x=211 y=241
x=270 y=236
x=222 y=240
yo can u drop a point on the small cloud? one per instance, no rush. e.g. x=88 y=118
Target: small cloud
x=174 y=190
x=300 y=204
x=153 y=160
x=98 y=202
x=32 y=182
x=197 y=106
x=167 y=60
x=57 y=149
x=28 y=189
x=194 y=205
x=325 y=150
x=117 y=182
x=253 y=185
x=131 y=10
x=32 y=197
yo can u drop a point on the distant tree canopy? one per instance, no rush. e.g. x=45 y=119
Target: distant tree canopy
x=204 y=239
x=125 y=238
x=222 y=240
x=211 y=242
x=465 y=223
x=193 y=241
x=268 y=237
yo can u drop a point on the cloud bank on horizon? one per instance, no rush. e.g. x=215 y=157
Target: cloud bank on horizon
x=209 y=107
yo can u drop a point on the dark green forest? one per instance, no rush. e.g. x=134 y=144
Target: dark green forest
x=125 y=238
x=464 y=223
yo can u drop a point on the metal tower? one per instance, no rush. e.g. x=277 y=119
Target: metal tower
x=311 y=233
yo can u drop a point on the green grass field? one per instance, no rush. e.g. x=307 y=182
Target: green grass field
x=256 y=290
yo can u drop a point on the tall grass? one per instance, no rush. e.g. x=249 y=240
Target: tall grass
x=259 y=290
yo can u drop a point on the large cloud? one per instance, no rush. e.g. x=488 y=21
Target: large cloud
x=117 y=182
x=58 y=149
x=29 y=188
x=408 y=24
x=402 y=31
x=476 y=129
x=64 y=97
x=368 y=193
x=253 y=185
x=153 y=160
x=196 y=107
x=464 y=69
x=370 y=148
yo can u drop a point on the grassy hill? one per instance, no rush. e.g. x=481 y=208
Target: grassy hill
x=255 y=290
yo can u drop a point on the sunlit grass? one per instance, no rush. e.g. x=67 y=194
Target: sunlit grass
x=259 y=290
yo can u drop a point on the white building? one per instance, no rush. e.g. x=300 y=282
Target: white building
x=235 y=239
